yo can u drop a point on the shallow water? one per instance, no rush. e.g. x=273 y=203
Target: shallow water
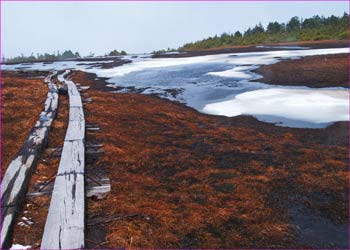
x=222 y=85
x=216 y=84
x=316 y=231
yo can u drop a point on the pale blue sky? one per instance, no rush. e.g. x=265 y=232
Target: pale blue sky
x=137 y=26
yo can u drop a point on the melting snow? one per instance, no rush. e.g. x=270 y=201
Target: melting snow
x=19 y=246
x=310 y=105
x=221 y=85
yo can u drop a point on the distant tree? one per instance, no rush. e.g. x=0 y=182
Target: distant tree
x=293 y=24
x=238 y=34
x=258 y=29
x=312 y=23
x=31 y=57
x=248 y=32
x=225 y=34
x=332 y=20
x=114 y=53
x=67 y=54
x=274 y=27
x=345 y=20
x=117 y=53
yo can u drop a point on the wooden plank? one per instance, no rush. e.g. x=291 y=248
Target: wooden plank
x=72 y=158
x=62 y=76
x=45 y=119
x=98 y=187
x=64 y=228
x=95 y=151
x=74 y=94
x=97 y=183
x=87 y=100
x=72 y=88
x=48 y=78
x=95 y=129
x=75 y=130
x=82 y=88
x=75 y=101
x=66 y=215
x=76 y=114
x=15 y=180
x=50 y=110
x=51 y=101
x=16 y=171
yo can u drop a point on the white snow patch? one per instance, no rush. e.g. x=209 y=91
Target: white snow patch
x=237 y=72
x=317 y=106
x=236 y=59
x=149 y=63
x=19 y=246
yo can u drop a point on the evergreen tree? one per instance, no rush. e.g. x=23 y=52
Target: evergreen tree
x=238 y=34
x=293 y=24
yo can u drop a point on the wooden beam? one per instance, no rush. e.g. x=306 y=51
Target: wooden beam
x=16 y=178
x=64 y=228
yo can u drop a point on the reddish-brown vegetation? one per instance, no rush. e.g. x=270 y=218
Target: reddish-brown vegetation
x=35 y=208
x=313 y=71
x=184 y=179
x=23 y=97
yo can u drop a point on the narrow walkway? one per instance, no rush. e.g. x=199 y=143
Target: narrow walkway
x=64 y=228
x=15 y=181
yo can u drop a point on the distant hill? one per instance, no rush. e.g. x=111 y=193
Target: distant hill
x=310 y=29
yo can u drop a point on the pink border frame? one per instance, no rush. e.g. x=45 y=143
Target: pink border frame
x=156 y=2
x=174 y=0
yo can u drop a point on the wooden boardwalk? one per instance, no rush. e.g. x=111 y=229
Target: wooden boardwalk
x=64 y=228
x=15 y=181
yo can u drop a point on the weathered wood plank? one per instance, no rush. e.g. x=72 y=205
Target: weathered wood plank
x=50 y=110
x=98 y=187
x=48 y=78
x=82 y=88
x=76 y=114
x=75 y=101
x=87 y=100
x=75 y=130
x=15 y=181
x=62 y=76
x=72 y=88
x=64 y=228
x=96 y=129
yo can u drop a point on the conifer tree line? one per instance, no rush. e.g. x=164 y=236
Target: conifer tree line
x=296 y=29
x=46 y=57
x=67 y=54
